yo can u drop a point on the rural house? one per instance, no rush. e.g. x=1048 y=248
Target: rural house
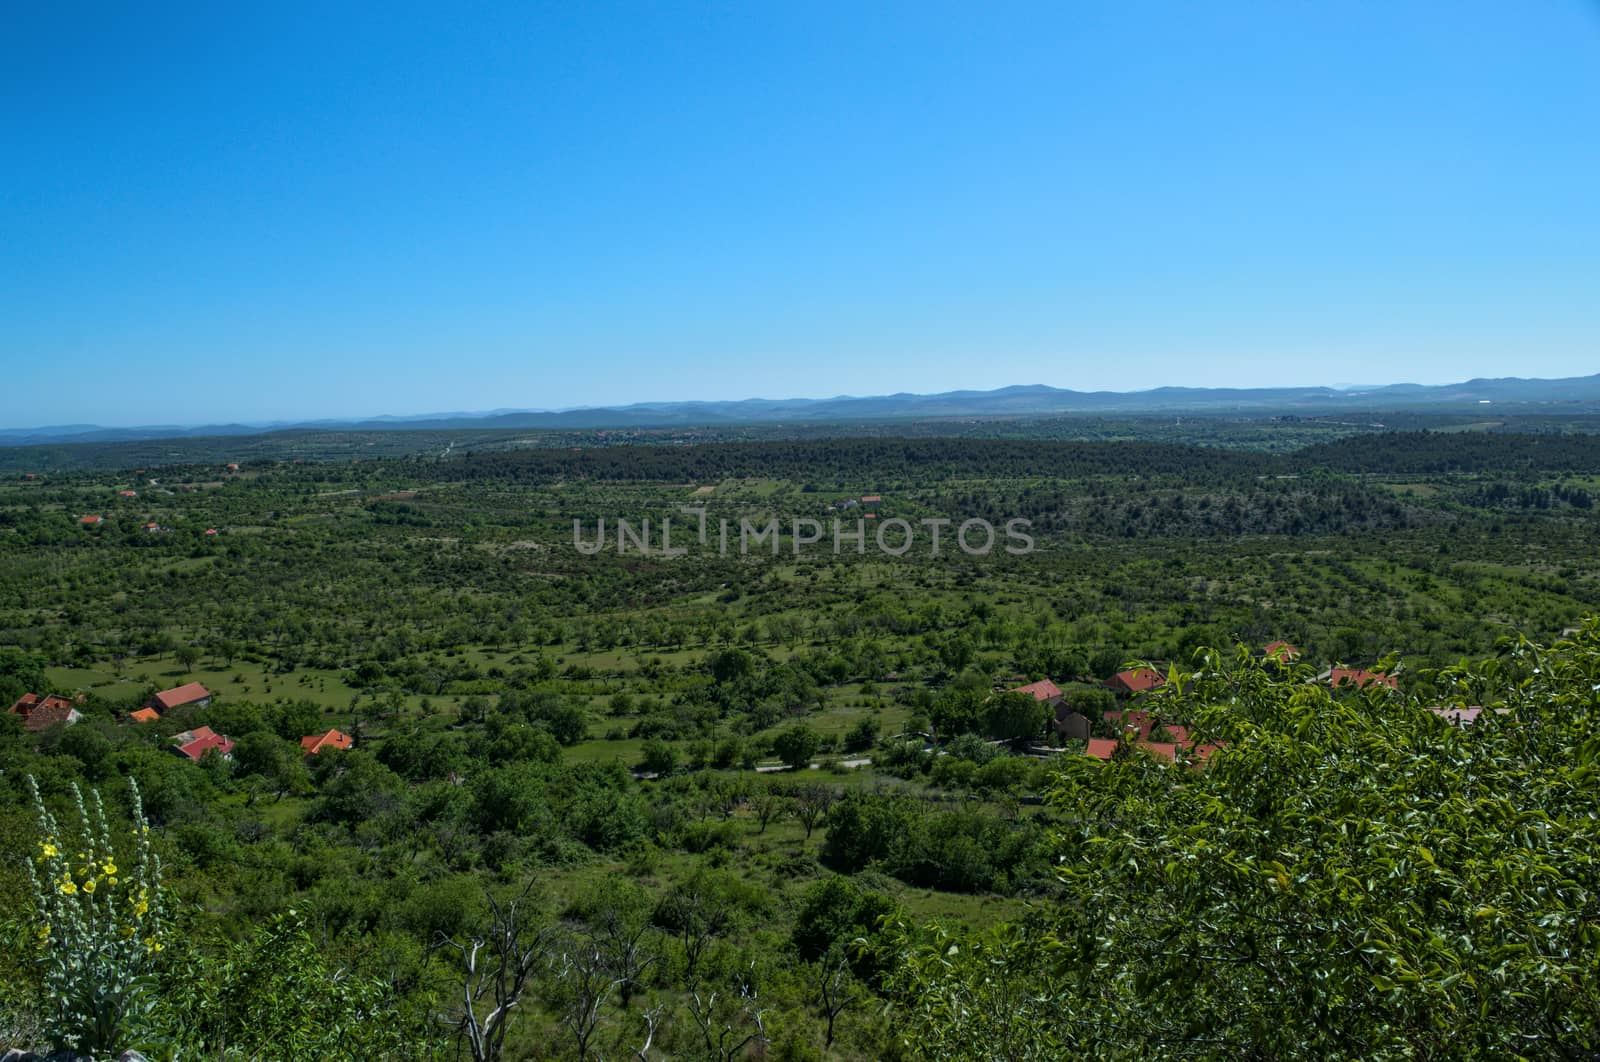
x=1137 y=680
x=41 y=711
x=1101 y=748
x=179 y=697
x=1043 y=690
x=202 y=739
x=333 y=739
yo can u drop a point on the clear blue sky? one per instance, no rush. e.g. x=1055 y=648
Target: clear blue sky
x=285 y=211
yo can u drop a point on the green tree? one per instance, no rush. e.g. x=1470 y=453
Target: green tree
x=1015 y=717
x=660 y=757
x=796 y=745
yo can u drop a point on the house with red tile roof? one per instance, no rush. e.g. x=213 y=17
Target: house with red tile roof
x=333 y=739
x=180 y=697
x=211 y=531
x=1165 y=751
x=195 y=743
x=1281 y=650
x=41 y=711
x=1043 y=690
x=1101 y=748
x=871 y=499
x=1356 y=677
x=92 y=520
x=1136 y=680
x=144 y=715
x=127 y=494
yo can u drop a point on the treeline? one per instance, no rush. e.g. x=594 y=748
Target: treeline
x=864 y=464
x=870 y=464
x=1430 y=452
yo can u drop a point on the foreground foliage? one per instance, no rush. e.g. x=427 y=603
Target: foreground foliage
x=1349 y=878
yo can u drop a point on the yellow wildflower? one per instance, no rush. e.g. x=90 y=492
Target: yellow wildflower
x=44 y=932
x=108 y=867
x=68 y=889
x=49 y=850
x=112 y=882
x=140 y=908
x=88 y=886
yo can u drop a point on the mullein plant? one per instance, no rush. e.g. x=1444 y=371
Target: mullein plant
x=99 y=925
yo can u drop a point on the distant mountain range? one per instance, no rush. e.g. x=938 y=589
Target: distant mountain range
x=1574 y=394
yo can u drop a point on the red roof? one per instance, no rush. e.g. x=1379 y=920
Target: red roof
x=56 y=710
x=1101 y=748
x=1139 y=721
x=1138 y=680
x=144 y=715
x=211 y=530
x=1281 y=650
x=44 y=709
x=1342 y=676
x=333 y=739
x=91 y=520
x=202 y=743
x=167 y=700
x=1180 y=734
x=868 y=499
x=1043 y=690
x=1165 y=750
x=1203 y=752
x=27 y=703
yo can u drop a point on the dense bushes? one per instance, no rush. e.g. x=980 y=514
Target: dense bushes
x=963 y=850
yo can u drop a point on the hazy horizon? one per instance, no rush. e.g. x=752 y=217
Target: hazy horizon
x=424 y=413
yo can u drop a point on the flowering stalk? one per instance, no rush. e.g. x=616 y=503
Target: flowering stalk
x=99 y=924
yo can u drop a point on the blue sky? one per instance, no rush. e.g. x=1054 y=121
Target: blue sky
x=288 y=211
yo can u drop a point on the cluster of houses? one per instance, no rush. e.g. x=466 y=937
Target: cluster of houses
x=41 y=711
x=97 y=520
x=1169 y=741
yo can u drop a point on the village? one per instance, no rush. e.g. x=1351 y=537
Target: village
x=1100 y=736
